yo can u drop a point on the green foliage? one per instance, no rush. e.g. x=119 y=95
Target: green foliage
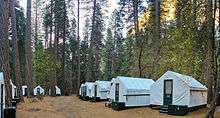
x=43 y=65
x=108 y=56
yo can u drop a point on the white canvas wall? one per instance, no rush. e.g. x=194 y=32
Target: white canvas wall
x=137 y=101
x=134 y=98
x=112 y=90
x=89 y=88
x=103 y=88
x=197 y=98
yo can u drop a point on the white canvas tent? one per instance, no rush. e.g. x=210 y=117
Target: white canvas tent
x=132 y=92
x=24 y=90
x=100 y=89
x=176 y=89
x=88 y=89
x=38 y=90
x=57 y=90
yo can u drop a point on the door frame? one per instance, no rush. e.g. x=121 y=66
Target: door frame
x=95 y=91
x=117 y=92
x=164 y=90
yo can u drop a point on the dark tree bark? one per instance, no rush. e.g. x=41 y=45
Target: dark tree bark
x=28 y=51
x=15 y=50
x=157 y=32
x=78 y=48
x=4 y=49
x=138 y=40
x=91 y=53
x=212 y=82
x=210 y=49
x=51 y=23
x=63 y=54
x=36 y=24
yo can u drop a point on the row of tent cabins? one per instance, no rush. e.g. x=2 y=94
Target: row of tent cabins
x=172 y=93
x=36 y=90
x=39 y=90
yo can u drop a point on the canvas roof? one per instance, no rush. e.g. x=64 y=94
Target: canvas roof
x=104 y=84
x=89 y=84
x=189 y=80
x=136 y=83
x=38 y=87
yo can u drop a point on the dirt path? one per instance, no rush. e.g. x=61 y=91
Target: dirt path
x=72 y=107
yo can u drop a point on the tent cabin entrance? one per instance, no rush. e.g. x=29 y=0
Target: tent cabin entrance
x=95 y=89
x=116 y=92
x=84 y=91
x=25 y=91
x=168 y=92
x=38 y=90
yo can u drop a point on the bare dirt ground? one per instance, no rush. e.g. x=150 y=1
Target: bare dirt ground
x=72 y=107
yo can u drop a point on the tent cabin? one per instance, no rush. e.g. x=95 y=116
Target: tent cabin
x=24 y=90
x=38 y=90
x=131 y=92
x=100 y=90
x=57 y=90
x=87 y=89
x=177 y=91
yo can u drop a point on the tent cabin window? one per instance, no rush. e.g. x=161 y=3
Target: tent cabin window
x=117 y=92
x=95 y=89
x=38 y=90
x=168 y=92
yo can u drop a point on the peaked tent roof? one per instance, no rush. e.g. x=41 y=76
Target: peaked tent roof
x=189 y=80
x=89 y=84
x=136 y=83
x=38 y=87
x=104 y=84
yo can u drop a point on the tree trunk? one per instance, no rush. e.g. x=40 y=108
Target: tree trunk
x=28 y=49
x=15 y=51
x=63 y=58
x=36 y=24
x=4 y=49
x=211 y=42
x=157 y=41
x=91 y=48
x=78 y=49
x=51 y=24
x=46 y=37
x=138 y=40
x=210 y=49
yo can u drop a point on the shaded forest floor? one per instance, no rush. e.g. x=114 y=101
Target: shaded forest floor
x=72 y=107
